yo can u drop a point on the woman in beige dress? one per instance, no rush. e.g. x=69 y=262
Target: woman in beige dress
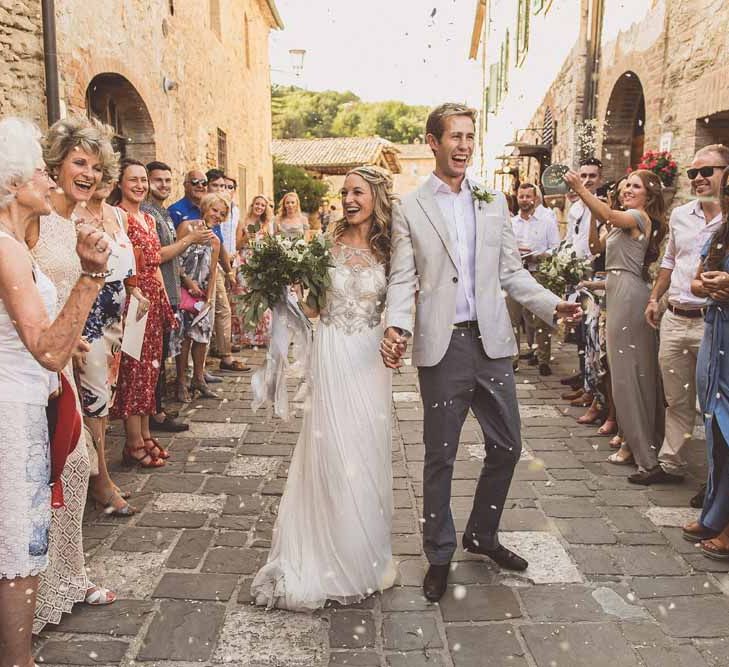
x=77 y=152
x=290 y=221
x=632 y=346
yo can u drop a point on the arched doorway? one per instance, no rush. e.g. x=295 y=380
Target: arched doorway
x=624 y=133
x=115 y=101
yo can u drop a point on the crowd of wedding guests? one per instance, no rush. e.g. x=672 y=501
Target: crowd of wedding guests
x=83 y=236
x=86 y=237
x=651 y=346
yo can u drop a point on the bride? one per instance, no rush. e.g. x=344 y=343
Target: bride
x=331 y=540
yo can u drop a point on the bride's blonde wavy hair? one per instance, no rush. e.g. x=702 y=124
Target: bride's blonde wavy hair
x=380 y=181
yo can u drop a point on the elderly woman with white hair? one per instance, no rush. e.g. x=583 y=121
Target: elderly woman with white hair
x=77 y=152
x=33 y=349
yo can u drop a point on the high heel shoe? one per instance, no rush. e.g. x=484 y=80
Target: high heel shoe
x=140 y=456
x=110 y=508
x=203 y=390
x=155 y=449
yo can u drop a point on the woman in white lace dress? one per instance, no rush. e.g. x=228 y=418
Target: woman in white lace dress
x=30 y=346
x=77 y=151
x=332 y=535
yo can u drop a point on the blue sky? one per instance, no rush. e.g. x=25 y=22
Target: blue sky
x=381 y=49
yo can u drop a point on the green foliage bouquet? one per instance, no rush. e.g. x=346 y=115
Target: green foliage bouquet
x=562 y=268
x=275 y=263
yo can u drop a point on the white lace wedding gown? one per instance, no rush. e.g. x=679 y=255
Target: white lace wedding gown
x=331 y=540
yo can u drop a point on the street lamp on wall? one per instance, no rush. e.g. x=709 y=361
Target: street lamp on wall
x=297 y=61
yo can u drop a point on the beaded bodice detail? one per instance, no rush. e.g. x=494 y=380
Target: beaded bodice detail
x=356 y=298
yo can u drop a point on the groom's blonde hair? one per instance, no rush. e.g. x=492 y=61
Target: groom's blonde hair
x=435 y=125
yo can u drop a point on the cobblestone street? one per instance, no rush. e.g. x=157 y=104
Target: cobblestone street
x=610 y=583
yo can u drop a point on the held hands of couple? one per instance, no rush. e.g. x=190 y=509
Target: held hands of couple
x=716 y=283
x=392 y=347
x=570 y=312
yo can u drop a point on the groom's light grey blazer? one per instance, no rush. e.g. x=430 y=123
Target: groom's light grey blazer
x=424 y=257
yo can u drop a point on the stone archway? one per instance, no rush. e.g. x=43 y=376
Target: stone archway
x=115 y=101
x=624 y=130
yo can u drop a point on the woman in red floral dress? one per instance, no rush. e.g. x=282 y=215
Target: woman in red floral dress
x=134 y=401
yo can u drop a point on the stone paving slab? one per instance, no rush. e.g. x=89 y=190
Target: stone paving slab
x=610 y=580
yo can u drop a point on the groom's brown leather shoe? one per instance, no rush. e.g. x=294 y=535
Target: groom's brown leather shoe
x=500 y=555
x=436 y=582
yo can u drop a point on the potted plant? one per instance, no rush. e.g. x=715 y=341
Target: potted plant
x=662 y=164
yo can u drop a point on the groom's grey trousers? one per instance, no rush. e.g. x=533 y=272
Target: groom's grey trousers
x=466 y=378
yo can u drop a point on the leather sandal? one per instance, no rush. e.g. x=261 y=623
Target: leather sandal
x=140 y=456
x=234 y=365
x=696 y=532
x=583 y=401
x=714 y=549
x=616 y=442
x=609 y=427
x=155 y=449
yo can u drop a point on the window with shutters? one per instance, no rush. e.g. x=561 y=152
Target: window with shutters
x=222 y=150
x=522 y=31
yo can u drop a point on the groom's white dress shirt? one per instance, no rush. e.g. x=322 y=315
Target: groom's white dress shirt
x=458 y=212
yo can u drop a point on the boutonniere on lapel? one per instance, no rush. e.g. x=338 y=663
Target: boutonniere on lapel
x=481 y=196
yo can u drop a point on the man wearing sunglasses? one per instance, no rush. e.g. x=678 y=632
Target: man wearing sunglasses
x=188 y=208
x=682 y=325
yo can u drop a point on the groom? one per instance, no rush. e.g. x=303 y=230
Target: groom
x=453 y=247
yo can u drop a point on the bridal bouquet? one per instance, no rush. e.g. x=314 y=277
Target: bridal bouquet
x=561 y=269
x=273 y=265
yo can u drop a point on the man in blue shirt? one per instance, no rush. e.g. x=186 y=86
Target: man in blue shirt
x=188 y=208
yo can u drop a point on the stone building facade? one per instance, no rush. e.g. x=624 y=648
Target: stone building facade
x=649 y=74
x=417 y=162
x=183 y=82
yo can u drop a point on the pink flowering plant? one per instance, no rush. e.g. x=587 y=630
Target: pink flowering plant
x=661 y=163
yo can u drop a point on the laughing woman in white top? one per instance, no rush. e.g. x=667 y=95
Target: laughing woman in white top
x=30 y=346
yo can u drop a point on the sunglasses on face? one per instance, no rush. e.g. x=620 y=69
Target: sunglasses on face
x=228 y=186
x=198 y=181
x=706 y=172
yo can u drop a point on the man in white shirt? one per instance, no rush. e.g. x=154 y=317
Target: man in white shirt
x=682 y=325
x=578 y=218
x=536 y=238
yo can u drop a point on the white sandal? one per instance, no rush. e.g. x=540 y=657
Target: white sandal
x=97 y=596
x=623 y=457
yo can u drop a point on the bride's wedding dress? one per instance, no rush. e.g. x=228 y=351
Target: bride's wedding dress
x=331 y=540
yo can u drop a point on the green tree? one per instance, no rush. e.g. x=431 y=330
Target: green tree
x=311 y=191
x=301 y=113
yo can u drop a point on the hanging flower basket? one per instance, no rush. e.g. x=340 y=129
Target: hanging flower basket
x=662 y=164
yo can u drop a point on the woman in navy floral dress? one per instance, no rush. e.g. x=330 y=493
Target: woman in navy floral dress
x=103 y=332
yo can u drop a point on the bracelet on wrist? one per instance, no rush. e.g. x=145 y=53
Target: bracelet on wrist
x=96 y=274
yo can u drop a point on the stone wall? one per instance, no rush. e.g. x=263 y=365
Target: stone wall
x=221 y=74
x=678 y=55
x=21 y=59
